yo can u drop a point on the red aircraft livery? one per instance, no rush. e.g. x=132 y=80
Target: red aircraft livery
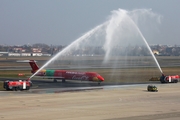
x=64 y=74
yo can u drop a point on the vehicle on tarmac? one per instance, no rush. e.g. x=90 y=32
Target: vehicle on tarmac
x=17 y=85
x=152 y=88
x=169 y=79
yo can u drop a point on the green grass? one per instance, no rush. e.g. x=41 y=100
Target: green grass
x=14 y=73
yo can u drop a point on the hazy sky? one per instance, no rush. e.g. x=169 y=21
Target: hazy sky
x=63 y=21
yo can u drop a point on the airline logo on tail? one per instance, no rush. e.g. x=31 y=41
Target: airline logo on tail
x=33 y=65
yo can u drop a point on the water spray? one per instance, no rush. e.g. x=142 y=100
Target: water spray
x=85 y=36
x=149 y=50
x=112 y=35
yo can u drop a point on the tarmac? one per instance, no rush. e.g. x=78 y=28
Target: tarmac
x=88 y=101
x=117 y=102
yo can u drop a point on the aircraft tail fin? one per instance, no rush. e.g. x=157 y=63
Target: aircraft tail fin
x=33 y=65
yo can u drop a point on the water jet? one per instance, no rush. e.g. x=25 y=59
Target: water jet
x=116 y=44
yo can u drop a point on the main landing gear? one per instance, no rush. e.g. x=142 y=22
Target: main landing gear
x=99 y=83
x=63 y=80
x=55 y=80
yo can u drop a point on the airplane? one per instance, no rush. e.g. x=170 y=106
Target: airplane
x=64 y=74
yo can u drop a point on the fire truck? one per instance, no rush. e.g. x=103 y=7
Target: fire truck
x=17 y=85
x=169 y=79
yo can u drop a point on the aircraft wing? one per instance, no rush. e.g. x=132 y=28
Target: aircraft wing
x=49 y=77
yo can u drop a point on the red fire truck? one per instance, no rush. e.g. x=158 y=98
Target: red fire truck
x=169 y=79
x=17 y=85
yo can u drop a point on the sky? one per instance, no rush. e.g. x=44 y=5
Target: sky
x=60 y=22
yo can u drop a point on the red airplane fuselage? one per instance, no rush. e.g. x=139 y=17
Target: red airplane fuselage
x=64 y=74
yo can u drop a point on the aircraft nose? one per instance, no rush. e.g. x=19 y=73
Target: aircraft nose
x=100 y=78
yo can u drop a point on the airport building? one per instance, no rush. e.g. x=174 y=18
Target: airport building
x=23 y=54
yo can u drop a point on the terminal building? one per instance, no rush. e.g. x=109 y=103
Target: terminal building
x=23 y=54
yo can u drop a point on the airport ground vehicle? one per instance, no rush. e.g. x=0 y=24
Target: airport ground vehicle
x=152 y=88
x=17 y=85
x=169 y=79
